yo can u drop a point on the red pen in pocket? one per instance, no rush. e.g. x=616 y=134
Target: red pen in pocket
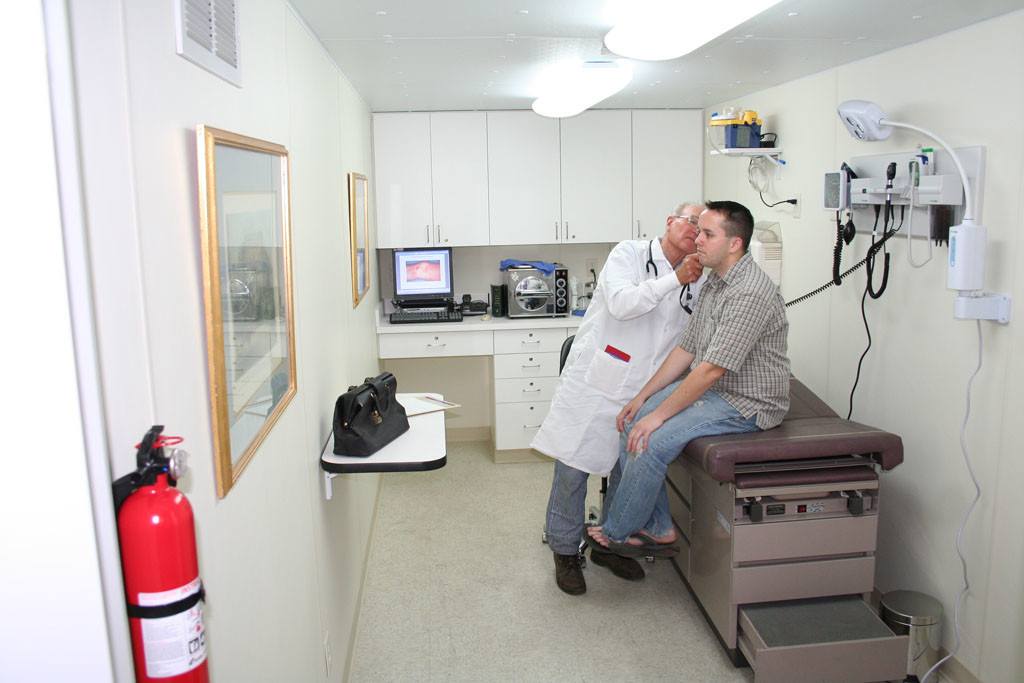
x=616 y=353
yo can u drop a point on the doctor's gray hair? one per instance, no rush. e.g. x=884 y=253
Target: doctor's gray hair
x=738 y=220
x=682 y=207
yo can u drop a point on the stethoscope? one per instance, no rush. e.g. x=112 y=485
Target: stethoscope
x=685 y=305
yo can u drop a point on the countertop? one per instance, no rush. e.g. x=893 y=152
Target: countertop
x=475 y=323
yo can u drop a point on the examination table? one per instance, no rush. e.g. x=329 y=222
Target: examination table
x=778 y=544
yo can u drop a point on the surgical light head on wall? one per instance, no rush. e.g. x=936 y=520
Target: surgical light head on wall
x=966 y=269
x=569 y=88
x=655 y=30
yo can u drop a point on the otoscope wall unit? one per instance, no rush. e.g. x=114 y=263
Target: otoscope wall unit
x=924 y=185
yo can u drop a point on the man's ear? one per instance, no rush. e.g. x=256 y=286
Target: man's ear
x=735 y=245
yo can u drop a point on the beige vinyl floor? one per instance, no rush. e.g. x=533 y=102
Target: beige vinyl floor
x=459 y=587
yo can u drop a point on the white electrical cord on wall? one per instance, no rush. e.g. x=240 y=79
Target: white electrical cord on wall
x=910 y=237
x=963 y=523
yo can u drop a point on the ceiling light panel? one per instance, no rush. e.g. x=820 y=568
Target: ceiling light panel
x=656 y=30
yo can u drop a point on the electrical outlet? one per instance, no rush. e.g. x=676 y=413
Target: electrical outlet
x=327 y=653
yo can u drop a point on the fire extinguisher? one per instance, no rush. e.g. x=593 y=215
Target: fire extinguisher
x=161 y=573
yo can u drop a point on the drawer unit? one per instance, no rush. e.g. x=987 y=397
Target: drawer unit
x=529 y=341
x=518 y=365
x=762 y=541
x=515 y=424
x=427 y=344
x=840 y=640
x=796 y=580
x=520 y=390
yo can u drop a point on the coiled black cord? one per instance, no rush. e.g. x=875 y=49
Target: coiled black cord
x=837 y=254
x=867 y=330
x=875 y=248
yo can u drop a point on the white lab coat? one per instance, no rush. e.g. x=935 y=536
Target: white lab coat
x=635 y=312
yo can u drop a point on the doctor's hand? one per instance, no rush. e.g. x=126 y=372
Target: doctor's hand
x=640 y=435
x=690 y=270
x=627 y=413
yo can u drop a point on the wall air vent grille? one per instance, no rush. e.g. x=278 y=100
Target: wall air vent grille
x=207 y=35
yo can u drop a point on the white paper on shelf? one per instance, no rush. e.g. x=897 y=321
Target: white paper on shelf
x=418 y=404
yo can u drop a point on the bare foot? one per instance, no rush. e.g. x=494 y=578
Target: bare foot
x=667 y=539
x=597 y=534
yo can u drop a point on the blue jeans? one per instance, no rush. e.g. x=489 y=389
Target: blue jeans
x=567 y=506
x=641 y=499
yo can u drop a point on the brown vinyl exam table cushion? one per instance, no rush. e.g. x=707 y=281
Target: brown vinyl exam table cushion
x=810 y=430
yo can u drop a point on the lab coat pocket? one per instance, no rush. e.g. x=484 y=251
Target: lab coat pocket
x=607 y=374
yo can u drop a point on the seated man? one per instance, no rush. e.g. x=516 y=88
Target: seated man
x=738 y=381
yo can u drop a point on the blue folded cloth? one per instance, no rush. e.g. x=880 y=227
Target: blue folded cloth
x=543 y=266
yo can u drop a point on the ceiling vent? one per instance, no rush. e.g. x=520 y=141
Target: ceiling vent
x=207 y=35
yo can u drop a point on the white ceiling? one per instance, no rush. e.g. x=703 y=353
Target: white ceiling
x=428 y=55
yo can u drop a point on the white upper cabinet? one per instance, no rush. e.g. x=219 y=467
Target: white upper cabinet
x=596 y=190
x=431 y=179
x=401 y=156
x=523 y=178
x=455 y=179
x=668 y=166
x=458 y=152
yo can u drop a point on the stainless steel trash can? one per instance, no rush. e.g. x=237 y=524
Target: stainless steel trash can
x=920 y=617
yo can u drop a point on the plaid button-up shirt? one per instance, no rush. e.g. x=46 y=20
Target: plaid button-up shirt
x=740 y=324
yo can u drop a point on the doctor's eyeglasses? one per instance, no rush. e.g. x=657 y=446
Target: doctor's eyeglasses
x=692 y=220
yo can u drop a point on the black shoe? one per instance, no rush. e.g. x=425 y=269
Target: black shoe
x=623 y=567
x=569 y=574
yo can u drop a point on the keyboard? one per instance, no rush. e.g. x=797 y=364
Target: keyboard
x=425 y=317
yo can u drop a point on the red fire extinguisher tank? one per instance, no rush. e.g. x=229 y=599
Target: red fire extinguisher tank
x=162 y=585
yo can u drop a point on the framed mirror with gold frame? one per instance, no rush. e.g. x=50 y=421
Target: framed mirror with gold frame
x=359 y=235
x=245 y=220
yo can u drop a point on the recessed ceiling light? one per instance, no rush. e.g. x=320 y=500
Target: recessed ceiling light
x=381 y=12
x=524 y=11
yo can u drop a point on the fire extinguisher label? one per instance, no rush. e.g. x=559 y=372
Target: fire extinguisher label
x=176 y=644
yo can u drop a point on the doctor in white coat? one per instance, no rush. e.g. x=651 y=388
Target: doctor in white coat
x=641 y=304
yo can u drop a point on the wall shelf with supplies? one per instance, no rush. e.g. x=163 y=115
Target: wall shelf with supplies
x=773 y=153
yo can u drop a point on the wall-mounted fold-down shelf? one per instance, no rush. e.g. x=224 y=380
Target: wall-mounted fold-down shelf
x=773 y=153
x=420 y=449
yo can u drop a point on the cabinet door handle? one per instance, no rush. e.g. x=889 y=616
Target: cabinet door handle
x=566 y=238
x=436 y=346
x=536 y=365
x=531 y=391
x=428 y=234
x=638 y=228
x=438 y=228
x=556 y=231
x=531 y=341
x=531 y=426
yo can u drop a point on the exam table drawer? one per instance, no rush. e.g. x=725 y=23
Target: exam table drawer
x=528 y=341
x=762 y=541
x=511 y=365
x=515 y=424
x=430 y=344
x=520 y=390
x=840 y=640
x=796 y=580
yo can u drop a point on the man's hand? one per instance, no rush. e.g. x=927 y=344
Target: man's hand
x=640 y=435
x=627 y=413
x=690 y=270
